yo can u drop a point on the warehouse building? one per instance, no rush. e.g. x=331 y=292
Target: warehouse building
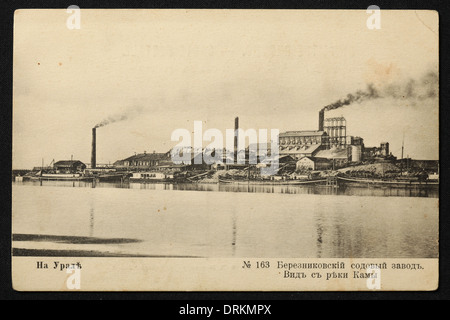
x=69 y=166
x=142 y=161
x=299 y=144
x=312 y=163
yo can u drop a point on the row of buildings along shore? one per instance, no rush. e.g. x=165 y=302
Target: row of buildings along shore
x=328 y=148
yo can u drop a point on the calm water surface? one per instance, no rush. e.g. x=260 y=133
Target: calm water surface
x=251 y=221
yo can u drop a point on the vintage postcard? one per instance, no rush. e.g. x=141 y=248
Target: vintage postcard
x=225 y=150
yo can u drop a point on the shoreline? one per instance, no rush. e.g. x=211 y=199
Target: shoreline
x=20 y=252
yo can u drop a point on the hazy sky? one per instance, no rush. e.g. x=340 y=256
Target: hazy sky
x=168 y=68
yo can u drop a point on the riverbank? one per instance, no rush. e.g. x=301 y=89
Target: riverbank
x=19 y=252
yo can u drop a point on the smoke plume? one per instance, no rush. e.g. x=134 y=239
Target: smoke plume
x=412 y=90
x=129 y=114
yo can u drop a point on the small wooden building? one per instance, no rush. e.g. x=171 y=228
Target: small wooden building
x=69 y=166
x=312 y=163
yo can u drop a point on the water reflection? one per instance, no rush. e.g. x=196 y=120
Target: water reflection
x=151 y=186
x=241 y=223
x=233 y=241
x=426 y=192
x=319 y=241
x=91 y=222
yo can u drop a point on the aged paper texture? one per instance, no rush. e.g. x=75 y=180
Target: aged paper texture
x=225 y=150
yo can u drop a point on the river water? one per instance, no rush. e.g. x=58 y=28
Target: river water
x=76 y=218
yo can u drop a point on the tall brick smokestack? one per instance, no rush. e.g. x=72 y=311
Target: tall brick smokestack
x=236 y=137
x=321 y=119
x=93 y=152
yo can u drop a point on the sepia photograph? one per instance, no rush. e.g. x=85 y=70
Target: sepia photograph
x=207 y=150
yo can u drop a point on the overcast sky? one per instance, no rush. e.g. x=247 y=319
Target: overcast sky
x=168 y=68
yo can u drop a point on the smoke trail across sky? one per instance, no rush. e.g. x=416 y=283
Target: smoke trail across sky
x=426 y=87
x=128 y=114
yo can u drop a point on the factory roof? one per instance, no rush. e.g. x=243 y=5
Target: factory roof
x=303 y=133
x=316 y=159
x=148 y=156
x=334 y=153
x=307 y=149
x=67 y=163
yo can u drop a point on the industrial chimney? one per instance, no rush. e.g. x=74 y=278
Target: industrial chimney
x=93 y=155
x=236 y=138
x=236 y=134
x=321 y=119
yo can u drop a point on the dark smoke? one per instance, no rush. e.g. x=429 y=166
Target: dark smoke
x=127 y=115
x=424 y=88
x=413 y=90
x=359 y=96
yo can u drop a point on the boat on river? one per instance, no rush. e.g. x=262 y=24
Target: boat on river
x=152 y=177
x=60 y=177
x=273 y=182
x=111 y=177
x=393 y=183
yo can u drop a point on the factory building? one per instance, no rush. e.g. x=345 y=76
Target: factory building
x=355 y=141
x=142 y=161
x=328 y=147
x=384 y=146
x=336 y=128
x=339 y=157
x=357 y=148
x=313 y=163
x=299 y=144
x=378 y=153
x=68 y=166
